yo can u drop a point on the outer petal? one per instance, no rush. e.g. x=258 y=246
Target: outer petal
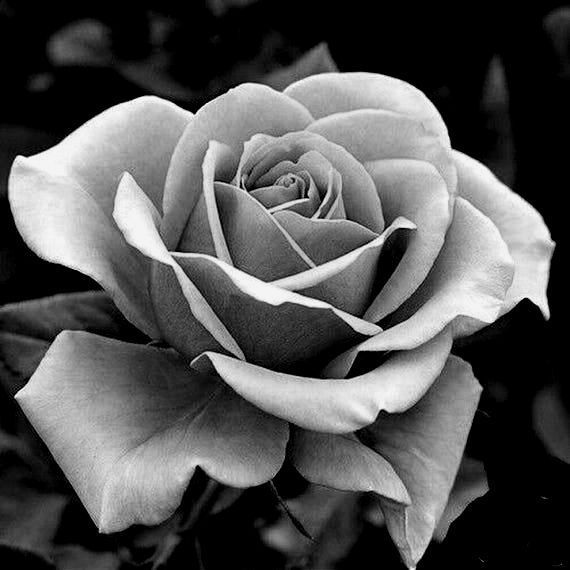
x=232 y=119
x=64 y=224
x=521 y=226
x=129 y=424
x=465 y=288
x=332 y=405
x=424 y=445
x=330 y=93
x=344 y=463
x=62 y=199
x=415 y=190
x=373 y=135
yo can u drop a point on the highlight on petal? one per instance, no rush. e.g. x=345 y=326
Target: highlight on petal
x=335 y=405
x=520 y=225
x=342 y=462
x=415 y=190
x=371 y=135
x=291 y=330
x=65 y=224
x=466 y=286
x=203 y=233
x=348 y=281
x=129 y=424
x=139 y=221
x=425 y=445
x=232 y=119
x=329 y=93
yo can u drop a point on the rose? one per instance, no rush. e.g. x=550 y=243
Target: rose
x=310 y=256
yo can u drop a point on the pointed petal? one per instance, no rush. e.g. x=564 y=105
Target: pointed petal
x=415 y=190
x=257 y=243
x=346 y=282
x=232 y=118
x=128 y=424
x=344 y=463
x=425 y=445
x=329 y=93
x=520 y=225
x=63 y=223
x=374 y=135
x=274 y=327
x=335 y=405
x=139 y=221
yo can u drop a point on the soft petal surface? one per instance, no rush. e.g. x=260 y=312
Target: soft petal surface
x=348 y=281
x=329 y=93
x=424 y=445
x=373 y=135
x=63 y=223
x=415 y=190
x=335 y=405
x=343 y=462
x=466 y=286
x=257 y=243
x=190 y=331
x=129 y=424
x=232 y=118
x=358 y=191
x=521 y=227
x=290 y=330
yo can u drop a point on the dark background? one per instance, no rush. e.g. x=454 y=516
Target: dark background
x=500 y=78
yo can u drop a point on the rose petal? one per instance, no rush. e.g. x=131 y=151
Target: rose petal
x=324 y=240
x=424 y=445
x=257 y=243
x=415 y=190
x=329 y=93
x=332 y=405
x=274 y=327
x=521 y=226
x=128 y=424
x=465 y=287
x=203 y=233
x=344 y=463
x=231 y=119
x=346 y=282
x=270 y=196
x=371 y=135
x=358 y=191
x=64 y=224
x=139 y=221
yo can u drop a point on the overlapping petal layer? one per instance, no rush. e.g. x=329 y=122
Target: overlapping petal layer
x=129 y=424
x=329 y=93
x=343 y=462
x=413 y=189
x=261 y=110
x=402 y=137
x=425 y=445
x=335 y=405
x=62 y=199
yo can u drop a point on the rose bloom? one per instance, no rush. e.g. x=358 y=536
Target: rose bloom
x=305 y=260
